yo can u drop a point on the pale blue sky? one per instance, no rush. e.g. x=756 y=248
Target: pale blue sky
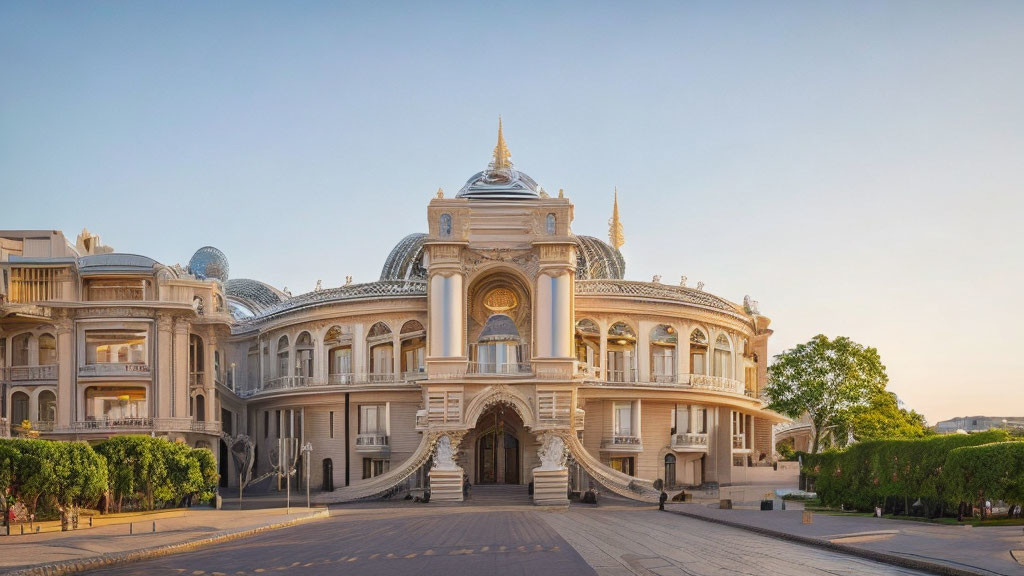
x=856 y=167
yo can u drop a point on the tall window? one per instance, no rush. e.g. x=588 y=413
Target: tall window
x=445 y=225
x=375 y=467
x=19 y=350
x=47 y=406
x=414 y=347
x=47 y=349
x=371 y=419
x=588 y=342
x=115 y=403
x=623 y=464
x=698 y=351
x=19 y=408
x=663 y=353
x=379 y=340
x=621 y=353
x=341 y=360
x=623 y=425
x=282 y=356
x=304 y=355
x=550 y=224
x=723 y=357
x=739 y=431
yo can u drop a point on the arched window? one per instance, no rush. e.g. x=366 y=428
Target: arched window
x=381 y=349
x=19 y=408
x=304 y=355
x=698 y=352
x=621 y=353
x=588 y=343
x=282 y=356
x=200 y=408
x=338 y=342
x=663 y=353
x=445 y=225
x=723 y=357
x=550 y=224
x=414 y=348
x=19 y=350
x=196 y=358
x=47 y=349
x=47 y=406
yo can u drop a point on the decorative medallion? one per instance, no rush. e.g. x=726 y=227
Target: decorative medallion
x=500 y=300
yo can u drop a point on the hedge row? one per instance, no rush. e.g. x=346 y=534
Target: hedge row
x=139 y=472
x=937 y=473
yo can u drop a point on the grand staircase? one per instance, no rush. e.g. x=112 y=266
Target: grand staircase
x=499 y=495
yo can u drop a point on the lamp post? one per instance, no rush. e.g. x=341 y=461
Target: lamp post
x=307 y=449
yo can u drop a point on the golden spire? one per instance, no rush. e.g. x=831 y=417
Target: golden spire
x=502 y=157
x=615 y=234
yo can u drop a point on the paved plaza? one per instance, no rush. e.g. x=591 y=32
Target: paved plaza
x=506 y=540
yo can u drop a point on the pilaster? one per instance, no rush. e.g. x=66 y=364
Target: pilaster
x=65 y=372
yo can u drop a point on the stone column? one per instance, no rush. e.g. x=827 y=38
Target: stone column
x=210 y=382
x=179 y=394
x=396 y=352
x=446 y=315
x=65 y=372
x=163 y=366
x=603 y=360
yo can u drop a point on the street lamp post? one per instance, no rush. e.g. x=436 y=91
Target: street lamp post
x=307 y=449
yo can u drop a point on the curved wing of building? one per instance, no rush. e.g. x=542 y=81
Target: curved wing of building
x=498 y=345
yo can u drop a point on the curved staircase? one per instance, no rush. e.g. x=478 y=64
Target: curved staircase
x=622 y=484
x=385 y=483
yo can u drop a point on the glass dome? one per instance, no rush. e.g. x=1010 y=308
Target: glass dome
x=209 y=262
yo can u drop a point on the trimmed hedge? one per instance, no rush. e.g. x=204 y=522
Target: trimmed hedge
x=139 y=471
x=893 y=473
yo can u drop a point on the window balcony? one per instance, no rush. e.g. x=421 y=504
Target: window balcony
x=383 y=378
x=28 y=373
x=714 y=383
x=414 y=375
x=690 y=442
x=664 y=378
x=499 y=359
x=341 y=379
x=622 y=443
x=206 y=427
x=372 y=442
x=499 y=368
x=113 y=424
x=115 y=369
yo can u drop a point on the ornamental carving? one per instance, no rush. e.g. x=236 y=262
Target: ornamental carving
x=500 y=300
x=553 y=452
x=444 y=252
x=554 y=252
x=116 y=312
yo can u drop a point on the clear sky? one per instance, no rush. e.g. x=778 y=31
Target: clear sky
x=856 y=167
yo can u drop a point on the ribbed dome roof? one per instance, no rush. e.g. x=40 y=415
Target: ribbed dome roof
x=254 y=295
x=598 y=260
x=405 y=262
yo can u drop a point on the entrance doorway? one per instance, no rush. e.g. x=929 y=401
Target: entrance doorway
x=498 y=451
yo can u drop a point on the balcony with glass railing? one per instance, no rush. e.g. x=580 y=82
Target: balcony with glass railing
x=499 y=359
x=115 y=369
x=372 y=442
x=622 y=443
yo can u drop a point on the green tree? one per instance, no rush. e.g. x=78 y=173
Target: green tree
x=824 y=379
x=881 y=419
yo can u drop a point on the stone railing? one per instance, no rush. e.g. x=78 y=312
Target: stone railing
x=114 y=424
x=206 y=427
x=580 y=418
x=613 y=480
x=716 y=383
x=371 y=442
x=690 y=441
x=5 y=428
x=285 y=383
x=385 y=482
x=114 y=369
x=628 y=375
x=28 y=373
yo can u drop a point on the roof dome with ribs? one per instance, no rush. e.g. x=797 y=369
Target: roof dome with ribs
x=405 y=262
x=249 y=298
x=598 y=260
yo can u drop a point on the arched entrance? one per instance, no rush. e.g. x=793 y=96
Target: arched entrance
x=498 y=451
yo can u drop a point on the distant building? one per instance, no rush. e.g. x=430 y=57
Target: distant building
x=978 y=423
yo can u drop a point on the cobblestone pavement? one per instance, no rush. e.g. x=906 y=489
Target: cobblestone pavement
x=498 y=541
x=632 y=541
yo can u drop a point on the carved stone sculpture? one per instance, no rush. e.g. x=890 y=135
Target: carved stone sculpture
x=552 y=453
x=444 y=459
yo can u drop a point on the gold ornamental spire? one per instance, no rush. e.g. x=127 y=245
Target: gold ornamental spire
x=615 y=234
x=502 y=157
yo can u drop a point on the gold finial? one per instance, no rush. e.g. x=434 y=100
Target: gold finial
x=615 y=234
x=502 y=157
x=440 y=192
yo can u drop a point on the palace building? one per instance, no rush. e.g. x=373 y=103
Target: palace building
x=498 y=345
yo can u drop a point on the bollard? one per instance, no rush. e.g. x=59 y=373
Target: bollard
x=131 y=528
x=807 y=517
x=90 y=521
x=154 y=526
x=22 y=529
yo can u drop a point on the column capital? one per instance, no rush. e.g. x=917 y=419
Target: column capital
x=164 y=322
x=181 y=325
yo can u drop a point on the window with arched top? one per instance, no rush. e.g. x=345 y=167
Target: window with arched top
x=698 y=352
x=196 y=358
x=47 y=406
x=444 y=225
x=549 y=224
x=338 y=342
x=381 y=350
x=19 y=408
x=304 y=355
x=588 y=342
x=663 y=340
x=47 y=349
x=414 y=348
x=723 y=359
x=621 y=353
x=282 y=356
x=670 y=470
x=19 y=350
